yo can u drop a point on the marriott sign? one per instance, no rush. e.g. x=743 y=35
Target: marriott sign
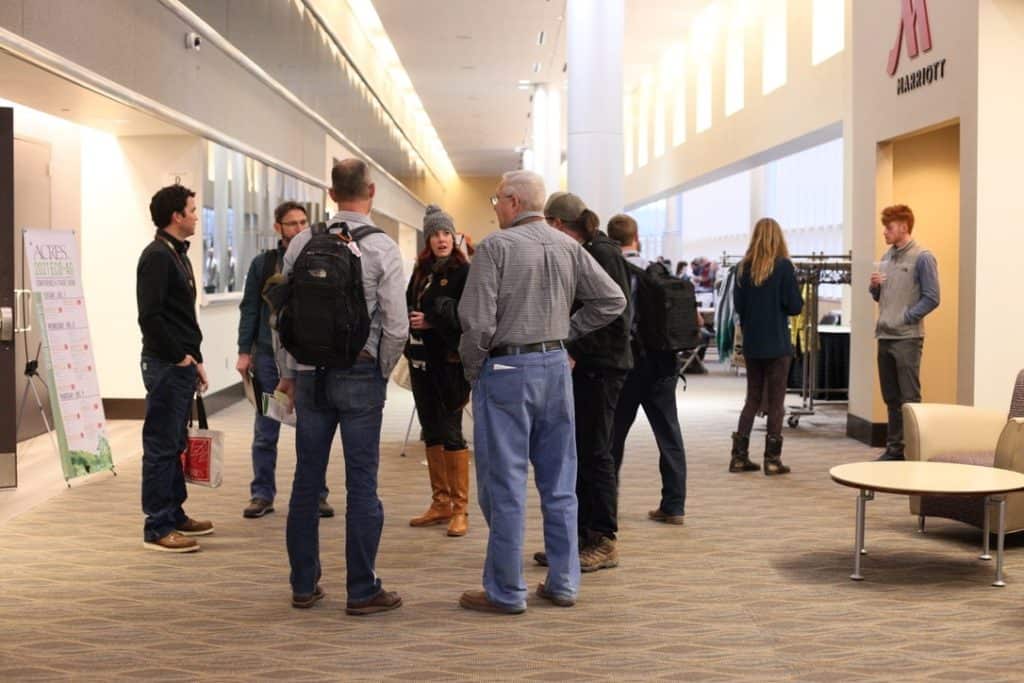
x=916 y=32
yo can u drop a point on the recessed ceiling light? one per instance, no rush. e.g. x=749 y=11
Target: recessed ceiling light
x=463 y=36
x=540 y=38
x=468 y=67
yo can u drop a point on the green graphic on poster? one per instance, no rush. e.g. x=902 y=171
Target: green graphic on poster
x=59 y=302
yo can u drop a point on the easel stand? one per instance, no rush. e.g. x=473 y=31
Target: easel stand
x=32 y=373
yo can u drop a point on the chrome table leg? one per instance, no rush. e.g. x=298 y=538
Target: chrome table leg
x=986 y=531
x=862 y=498
x=999 y=542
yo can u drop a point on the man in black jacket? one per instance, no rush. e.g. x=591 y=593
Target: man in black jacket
x=600 y=362
x=256 y=354
x=172 y=369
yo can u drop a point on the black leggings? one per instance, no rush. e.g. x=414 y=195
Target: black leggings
x=766 y=393
x=441 y=426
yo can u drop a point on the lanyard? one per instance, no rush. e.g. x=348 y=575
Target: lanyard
x=186 y=270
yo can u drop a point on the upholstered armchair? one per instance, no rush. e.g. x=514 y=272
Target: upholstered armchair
x=973 y=436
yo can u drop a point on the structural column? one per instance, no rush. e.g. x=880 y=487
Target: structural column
x=546 y=114
x=595 y=33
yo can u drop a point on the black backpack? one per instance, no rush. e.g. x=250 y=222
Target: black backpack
x=666 y=309
x=323 y=320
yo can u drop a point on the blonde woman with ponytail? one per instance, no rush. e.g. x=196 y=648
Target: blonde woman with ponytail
x=766 y=295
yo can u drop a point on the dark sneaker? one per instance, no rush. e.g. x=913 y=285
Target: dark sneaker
x=603 y=555
x=479 y=602
x=560 y=600
x=258 y=507
x=541 y=558
x=172 y=543
x=325 y=508
x=659 y=516
x=892 y=456
x=193 y=527
x=381 y=602
x=308 y=600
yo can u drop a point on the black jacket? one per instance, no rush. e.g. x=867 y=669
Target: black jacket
x=607 y=347
x=254 y=319
x=437 y=297
x=166 y=296
x=764 y=311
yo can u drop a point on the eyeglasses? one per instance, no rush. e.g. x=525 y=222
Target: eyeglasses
x=496 y=198
x=301 y=223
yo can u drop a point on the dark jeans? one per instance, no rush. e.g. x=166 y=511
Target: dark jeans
x=265 y=433
x=595 y=395
x=899 y=374
x=652 y=384
x=353 y=400
x=766 y=393
x=440 y=425
x=169 y=392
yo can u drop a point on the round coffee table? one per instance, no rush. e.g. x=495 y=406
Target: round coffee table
x=916 y=478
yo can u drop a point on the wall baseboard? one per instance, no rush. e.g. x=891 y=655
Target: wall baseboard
x=870 y=433
x=135 y=408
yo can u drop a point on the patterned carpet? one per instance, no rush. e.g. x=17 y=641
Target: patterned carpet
x=755 y=586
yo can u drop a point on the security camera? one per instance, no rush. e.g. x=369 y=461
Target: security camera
x=193 y=41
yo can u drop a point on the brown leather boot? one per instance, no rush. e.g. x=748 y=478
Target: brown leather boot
x=740 y=457
x=458 y=485
x=773 y=456
x=440 y=509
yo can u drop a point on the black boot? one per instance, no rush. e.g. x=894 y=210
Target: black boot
x=773 y=456
x=741 y=461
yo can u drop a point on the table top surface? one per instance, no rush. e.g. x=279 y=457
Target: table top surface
x=915 y=477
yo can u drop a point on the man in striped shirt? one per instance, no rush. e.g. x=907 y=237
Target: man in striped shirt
x=515 y=315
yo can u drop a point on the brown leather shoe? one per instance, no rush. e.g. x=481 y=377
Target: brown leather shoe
x=381 y=602
x=478 y=601
x=324 y=509
x=602 y=555
x=172 y=543
x=659 y=516
x=307 y=601
x=257 y=508
x=193 y=527
x=559 y=600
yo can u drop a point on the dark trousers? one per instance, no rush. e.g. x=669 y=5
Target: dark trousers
x=265 y=433
x=899 y=374
x=353 y=400
x=441 y=426
x=169 y=392
x=652 y=384
x=595 y=395
x=766 y=393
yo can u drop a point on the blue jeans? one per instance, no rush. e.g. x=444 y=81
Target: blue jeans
x=652 y=384
x=169 y=392
x=354 y=400
x=265 y=433
x=523 y=413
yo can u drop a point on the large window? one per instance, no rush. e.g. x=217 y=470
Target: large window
x=239 y=197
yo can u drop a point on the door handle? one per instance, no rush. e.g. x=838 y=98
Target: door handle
x=21 y=312
x=6 y=324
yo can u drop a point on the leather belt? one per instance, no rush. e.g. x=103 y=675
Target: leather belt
x=517 y=349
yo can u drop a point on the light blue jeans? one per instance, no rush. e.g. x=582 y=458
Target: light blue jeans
x=522 y=414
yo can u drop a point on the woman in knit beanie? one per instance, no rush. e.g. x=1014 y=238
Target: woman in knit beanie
x=438 y=384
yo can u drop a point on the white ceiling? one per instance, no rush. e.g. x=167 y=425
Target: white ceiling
x=465 y=58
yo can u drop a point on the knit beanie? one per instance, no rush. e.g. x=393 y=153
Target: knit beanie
x=435 y=219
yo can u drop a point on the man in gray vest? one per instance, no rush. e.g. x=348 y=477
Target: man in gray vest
x=906 y=287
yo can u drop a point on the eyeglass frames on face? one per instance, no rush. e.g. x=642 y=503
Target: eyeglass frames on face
x=301 y=223
x=495 y=198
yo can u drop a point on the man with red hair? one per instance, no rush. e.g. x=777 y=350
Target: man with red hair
x=906 y=287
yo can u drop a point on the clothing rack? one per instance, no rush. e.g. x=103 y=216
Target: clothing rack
x=815 y=269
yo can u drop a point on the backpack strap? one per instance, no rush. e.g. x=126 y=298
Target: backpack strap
x=364 y=231
x=269 y=267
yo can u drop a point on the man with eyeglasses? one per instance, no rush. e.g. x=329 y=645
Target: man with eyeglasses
x=516 y=315
x=256 y=355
